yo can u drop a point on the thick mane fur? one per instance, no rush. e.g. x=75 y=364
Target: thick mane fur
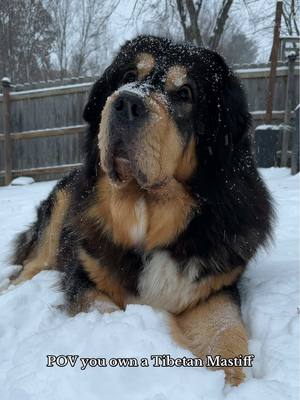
x=236 y=214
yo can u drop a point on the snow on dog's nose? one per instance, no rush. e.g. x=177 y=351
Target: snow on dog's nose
x=129 y=108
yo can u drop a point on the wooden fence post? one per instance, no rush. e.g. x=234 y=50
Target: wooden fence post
x=7 y=136
x=289 y=104
x=295 y=167
x=274 y=55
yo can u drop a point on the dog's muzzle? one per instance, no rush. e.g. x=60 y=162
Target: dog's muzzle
x=128 y=116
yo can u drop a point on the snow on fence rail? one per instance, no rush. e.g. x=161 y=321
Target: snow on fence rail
x=41 y=124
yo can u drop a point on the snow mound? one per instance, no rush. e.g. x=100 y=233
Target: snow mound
x=22 y=180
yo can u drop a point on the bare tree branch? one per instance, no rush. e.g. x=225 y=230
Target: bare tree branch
x=198 y=7
x=192 y=34
x=194 y=22
x=182 y=15
x=220 y=23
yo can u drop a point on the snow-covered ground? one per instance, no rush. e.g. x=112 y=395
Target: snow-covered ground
x=31 y=327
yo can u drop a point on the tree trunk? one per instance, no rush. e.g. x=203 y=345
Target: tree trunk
x=191 y=31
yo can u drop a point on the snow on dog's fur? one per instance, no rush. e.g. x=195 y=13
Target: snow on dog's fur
x=168 y=207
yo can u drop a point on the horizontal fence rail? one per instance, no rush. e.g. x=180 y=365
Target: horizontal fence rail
x=57 y=169
x=66 y=130
x=41 y=125
x=45 y=133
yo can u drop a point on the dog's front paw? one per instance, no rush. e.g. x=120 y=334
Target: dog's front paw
x=231 y=344
x=234 y=376
x=105 y=307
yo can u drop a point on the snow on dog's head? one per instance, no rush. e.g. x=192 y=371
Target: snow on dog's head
x=161 y=110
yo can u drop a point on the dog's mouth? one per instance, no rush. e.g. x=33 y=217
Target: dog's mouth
x=121 y=163
x=119 y=166
x=123 y=173
x=122 y=169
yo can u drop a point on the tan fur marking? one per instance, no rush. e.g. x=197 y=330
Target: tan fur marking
x=44 y=256
x=145 y=63
x=213 y=327
x=170 y=210
x=115 y=210
x=102 y=279
x=213 y=284
x=167 y=212
x=187 y=163
x=161 y=144
x=103 y=130
x=176 y=77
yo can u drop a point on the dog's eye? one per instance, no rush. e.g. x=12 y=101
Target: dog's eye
x=129 y=76
x=185 y=93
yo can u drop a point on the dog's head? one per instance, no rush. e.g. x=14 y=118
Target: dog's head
x=163 y=110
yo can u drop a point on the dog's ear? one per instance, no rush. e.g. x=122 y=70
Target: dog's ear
x=230 y=120
x=236 y=117
x=97 y=98
x=102 y=89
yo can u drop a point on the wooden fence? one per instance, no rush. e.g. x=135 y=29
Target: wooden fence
x=41 y=125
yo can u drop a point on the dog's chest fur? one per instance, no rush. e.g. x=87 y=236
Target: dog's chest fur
x=134 y=218
x=139 y=226
x=147 y=226
x=163 y=285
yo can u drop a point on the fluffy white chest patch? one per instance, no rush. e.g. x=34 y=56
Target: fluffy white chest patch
x=139 y=229
x=163 y=286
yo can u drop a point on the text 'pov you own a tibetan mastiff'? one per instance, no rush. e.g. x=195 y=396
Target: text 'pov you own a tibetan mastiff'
x=168 y=207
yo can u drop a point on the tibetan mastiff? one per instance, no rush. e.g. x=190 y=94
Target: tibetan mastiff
x=168 y=207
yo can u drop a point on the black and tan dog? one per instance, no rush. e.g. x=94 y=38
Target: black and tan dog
x=168 y=207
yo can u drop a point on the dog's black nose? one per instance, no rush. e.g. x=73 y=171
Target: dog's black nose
x=130 y=107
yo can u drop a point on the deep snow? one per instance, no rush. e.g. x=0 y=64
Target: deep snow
x=31 y=327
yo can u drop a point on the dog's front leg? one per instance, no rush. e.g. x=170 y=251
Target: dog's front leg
x=88 y=300
x=213 y=327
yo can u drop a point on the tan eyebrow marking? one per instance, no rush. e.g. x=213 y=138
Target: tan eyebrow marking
x=176 y=77
x=145 y=63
